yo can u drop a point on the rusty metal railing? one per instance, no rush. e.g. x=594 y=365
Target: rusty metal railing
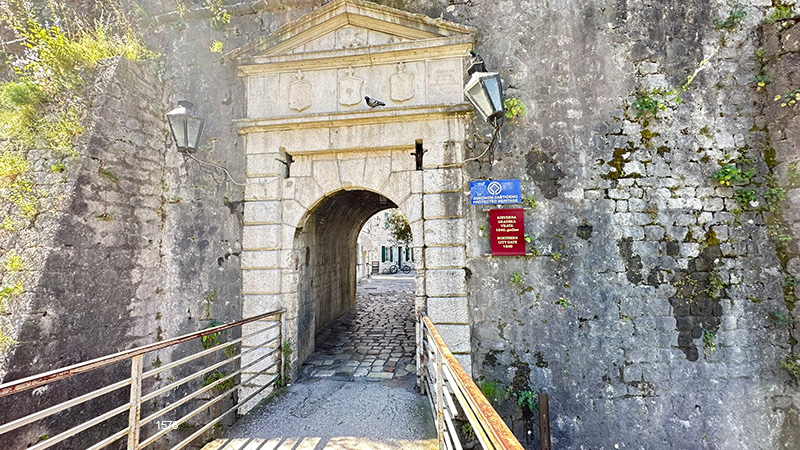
x=455 y=398
x=206 y=382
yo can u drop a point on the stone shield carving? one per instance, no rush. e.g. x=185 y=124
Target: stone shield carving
x=351 y=37
x=300 y=93
x=350 y=89
x=402 y=84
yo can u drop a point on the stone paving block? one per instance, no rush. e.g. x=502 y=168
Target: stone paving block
x=380 y=375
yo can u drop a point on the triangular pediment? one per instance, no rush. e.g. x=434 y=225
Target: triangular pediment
x=346 y=26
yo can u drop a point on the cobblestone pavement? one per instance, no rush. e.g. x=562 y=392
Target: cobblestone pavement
x=374 y=339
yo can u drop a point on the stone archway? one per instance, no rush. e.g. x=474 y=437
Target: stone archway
x=326 y=259
x=311 y=144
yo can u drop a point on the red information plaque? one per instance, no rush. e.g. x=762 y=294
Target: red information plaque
x=507 y=230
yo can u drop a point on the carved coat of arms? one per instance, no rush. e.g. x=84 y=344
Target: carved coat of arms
x=350 y=37
x=402 y=84
x=300 y=93
x=350 y=89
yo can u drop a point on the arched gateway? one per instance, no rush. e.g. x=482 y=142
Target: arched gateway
x=320 y=162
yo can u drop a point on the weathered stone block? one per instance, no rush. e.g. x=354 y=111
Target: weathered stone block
x=351 y=172
x=302 y=166
x=635 y=233
x=289 y=278
x=442 y=180
x=261 y=237
x=254 y=305
x=685 y=220
x=636 y=205
x=264 y=165
x=263 y=188
x=456 y=337
x=260 y=281
x=618 y=194
x=445 y=257
x=452 y=310
x=412 y=207
x=444 y=206
x=465 y=360
x=377 y=170
x=326 y=174
x=416 y=182
x=293 y=213
x=654 y=233
x=445 y=283
x=260 y=259
x=444 y=232
x=307 y=191
x=259 y=95
x=262 y=212
x=397 y=185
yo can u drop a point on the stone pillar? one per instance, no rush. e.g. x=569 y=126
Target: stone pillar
x=445 y=257
x=262 y=268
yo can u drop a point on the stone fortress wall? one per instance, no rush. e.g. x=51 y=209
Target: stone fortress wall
x=652 y=312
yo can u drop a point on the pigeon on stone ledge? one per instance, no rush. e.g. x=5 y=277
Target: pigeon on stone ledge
x=373 y=102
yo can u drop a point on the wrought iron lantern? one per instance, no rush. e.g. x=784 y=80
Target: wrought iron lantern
x=485 y=91
x=186 y=127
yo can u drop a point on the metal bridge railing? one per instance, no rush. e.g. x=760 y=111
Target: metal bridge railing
x=454 y=397
x=263 y=359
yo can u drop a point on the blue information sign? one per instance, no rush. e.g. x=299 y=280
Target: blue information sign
x=494 y=192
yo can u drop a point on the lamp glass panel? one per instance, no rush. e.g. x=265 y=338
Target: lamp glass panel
x=199 y=134
x=177 y=123
x=194 y=126
x=477 y=95
x=495 y=92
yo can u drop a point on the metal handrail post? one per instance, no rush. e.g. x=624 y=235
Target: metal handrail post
x=418 y=330
x=137 y=365
x=544 y=422
x=283 y=355
x=439 y=399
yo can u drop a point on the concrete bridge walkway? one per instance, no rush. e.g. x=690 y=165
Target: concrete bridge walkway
x=357 y=391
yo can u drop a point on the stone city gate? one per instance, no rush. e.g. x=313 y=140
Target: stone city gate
x=320 y=162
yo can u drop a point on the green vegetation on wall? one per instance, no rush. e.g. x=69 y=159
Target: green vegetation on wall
x=42 y=109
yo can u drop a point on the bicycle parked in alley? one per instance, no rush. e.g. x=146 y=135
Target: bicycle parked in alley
x=394 y=268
